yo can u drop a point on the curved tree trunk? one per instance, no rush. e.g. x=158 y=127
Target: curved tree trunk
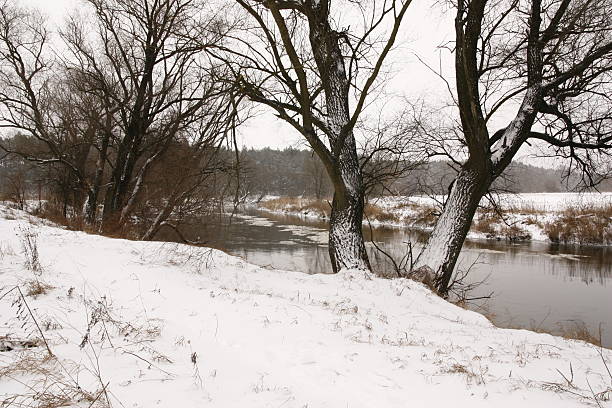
x=444 y=244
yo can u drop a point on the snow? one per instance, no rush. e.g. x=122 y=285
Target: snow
x=519 y=209
x=264 y=338
x=540 y=201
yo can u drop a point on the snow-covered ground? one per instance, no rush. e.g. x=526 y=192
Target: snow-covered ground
x=135 y=324
x=551 y=202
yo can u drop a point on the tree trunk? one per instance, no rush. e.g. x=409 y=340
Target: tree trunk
x=444 y=244
x=128 y=207
x=346 y=244
x=122 y=173
x=92 y=199
x=162 y=217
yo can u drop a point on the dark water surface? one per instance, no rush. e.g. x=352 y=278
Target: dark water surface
x=534 y=284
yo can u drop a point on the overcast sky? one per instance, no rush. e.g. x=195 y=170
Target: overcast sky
x=423 y=30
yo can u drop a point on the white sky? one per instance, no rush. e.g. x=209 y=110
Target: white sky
x=423 y=30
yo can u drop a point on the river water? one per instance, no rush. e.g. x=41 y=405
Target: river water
x=535 y=285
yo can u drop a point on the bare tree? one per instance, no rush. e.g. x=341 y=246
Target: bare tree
x=392 y=148
x=551 y=62
x=133 y=82
x=296 y=58
x=146 y=64
x=27 y=85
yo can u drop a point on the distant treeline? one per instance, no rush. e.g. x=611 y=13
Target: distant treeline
x=287 y=172
x=294 y=172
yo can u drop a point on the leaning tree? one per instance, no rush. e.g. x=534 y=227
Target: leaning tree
x=541 y=68
x=314 y=63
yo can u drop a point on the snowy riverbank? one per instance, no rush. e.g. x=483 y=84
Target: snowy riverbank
x=570 y=218
x=140 y=324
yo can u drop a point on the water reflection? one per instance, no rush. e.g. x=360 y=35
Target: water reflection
x=535 y=285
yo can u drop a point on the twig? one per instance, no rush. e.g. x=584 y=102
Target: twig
x=103 y=390
x=147 y=361
x=35 y=321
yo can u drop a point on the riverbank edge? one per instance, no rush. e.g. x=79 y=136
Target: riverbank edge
x=517 y=225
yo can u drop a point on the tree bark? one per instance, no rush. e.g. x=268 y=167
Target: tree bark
x=162 y=217
x=91 y=207
x=346 y=243
x=446 y=240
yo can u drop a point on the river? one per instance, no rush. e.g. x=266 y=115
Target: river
x=534 y=285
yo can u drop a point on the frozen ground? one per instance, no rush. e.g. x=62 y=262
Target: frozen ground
x=135 y=324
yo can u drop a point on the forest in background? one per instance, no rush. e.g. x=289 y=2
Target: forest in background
x=285 y=172
x=295 y=172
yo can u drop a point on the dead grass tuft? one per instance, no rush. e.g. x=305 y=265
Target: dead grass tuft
x=533 y=220
x=29 y=244
x=376 y=213
x=470 y=375
x=525 y=209
x=491 y=223
x=34 y=363
x=36 y=287
x=485 y=225
x=582 y=225
x=514 y=233
x=6 y=250
x=52 y=386
x=578 y=330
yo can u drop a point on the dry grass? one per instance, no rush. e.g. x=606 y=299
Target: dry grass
x=374 y=212
x=111 y=229
x=582 y=225
x=533 y=220
x=514 y=233
x=487 y=221
x=486 y=226
x=298 y=205
x=36 y=287
x=33 y=363
x=52 y=387
x=44 y=381
x=426 y=215
x=29 y=242
x=6 y=250
x=578 y=330
x=470 y=375
x=525 y=209
x=54 y=214
x=491 y=223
